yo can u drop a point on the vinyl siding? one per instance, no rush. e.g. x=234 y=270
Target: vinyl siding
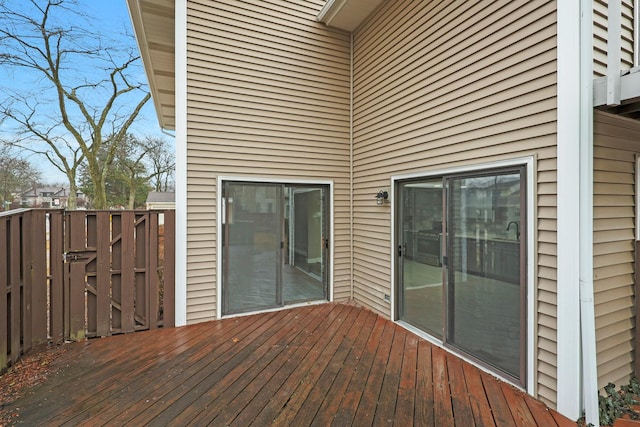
x=616 y=143
x=600 y=37
x=443 y=84
x=268 y=96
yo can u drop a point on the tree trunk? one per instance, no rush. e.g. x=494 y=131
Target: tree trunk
x=99 y=191
x=132 y=196
x=72 y=200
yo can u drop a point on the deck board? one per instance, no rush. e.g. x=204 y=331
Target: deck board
x=424 y=411
x=480 y=407
x=406 y=399
x=326 y=364
x=462 y=409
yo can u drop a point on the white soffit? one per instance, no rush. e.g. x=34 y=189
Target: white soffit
x=347 y=14
x=153 y=23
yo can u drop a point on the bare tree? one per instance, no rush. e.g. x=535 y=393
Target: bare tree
x=16 y=175
x=161 y=163
x=83 y=89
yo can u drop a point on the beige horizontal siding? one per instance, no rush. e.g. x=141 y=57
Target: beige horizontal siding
x=442 y=84
x=268 y=96
x=600 y=37
x=616 y=142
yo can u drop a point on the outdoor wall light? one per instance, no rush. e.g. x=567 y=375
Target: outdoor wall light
x=382 y=197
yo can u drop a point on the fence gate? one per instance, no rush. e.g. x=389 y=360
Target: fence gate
x=70 y=275
x=114 y=265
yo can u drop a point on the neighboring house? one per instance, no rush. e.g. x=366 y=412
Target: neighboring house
x=161 y=200
x=440 y=162
x=44 y=197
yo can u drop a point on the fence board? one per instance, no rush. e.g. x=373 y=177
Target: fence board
x=14 y=284
x=141 y=279
x=153 y=285
x=4 y=291
x=89 y=259
x=76 y=239
x=127 y=275
x=116 y=270
x=103 y=274
x=56 y=280
x=37 y=276
x=26 y=284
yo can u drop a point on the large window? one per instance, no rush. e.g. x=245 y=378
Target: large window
x=462 y=266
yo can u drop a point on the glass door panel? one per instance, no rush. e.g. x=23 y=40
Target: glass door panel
x=420 y=284
x=274 y=245
x=304 y=271
x=485 y=288
x=251 y=246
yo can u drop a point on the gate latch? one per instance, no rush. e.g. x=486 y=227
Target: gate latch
x=77 y=256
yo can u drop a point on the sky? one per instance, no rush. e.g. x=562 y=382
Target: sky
x=112 y=17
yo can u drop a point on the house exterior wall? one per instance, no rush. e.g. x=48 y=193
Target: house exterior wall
x=448 y=84
x=600 y=37
x=616 y=144
x=436 y=85
x=268 y=96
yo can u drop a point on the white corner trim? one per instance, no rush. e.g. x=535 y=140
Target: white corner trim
x=576 y=364
x=568 y=229
x=181 y=160
x=589 y=365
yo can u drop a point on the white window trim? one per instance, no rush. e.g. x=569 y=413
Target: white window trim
x=529 y=163
x=221 y=180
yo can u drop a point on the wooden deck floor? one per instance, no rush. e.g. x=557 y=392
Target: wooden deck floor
x=329 y=364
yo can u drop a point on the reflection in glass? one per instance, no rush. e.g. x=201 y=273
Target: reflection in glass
x=252 y=242
x=305 y=263
x=483 y=249
x=421 y=284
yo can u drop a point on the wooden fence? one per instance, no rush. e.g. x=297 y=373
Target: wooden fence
x=76 y=274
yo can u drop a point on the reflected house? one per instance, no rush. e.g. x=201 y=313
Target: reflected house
x=508 y=157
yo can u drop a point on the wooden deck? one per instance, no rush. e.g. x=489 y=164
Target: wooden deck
x=329 y=364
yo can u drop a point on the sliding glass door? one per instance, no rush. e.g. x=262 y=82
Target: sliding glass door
x=274 y=245
x=462 y=264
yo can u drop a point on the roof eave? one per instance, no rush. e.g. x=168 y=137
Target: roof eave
x=136 y=16
x=347 y=14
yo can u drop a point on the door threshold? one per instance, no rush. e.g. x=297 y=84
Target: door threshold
x=268 y=310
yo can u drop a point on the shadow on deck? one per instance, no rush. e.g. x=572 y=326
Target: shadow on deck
x=329 y=364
